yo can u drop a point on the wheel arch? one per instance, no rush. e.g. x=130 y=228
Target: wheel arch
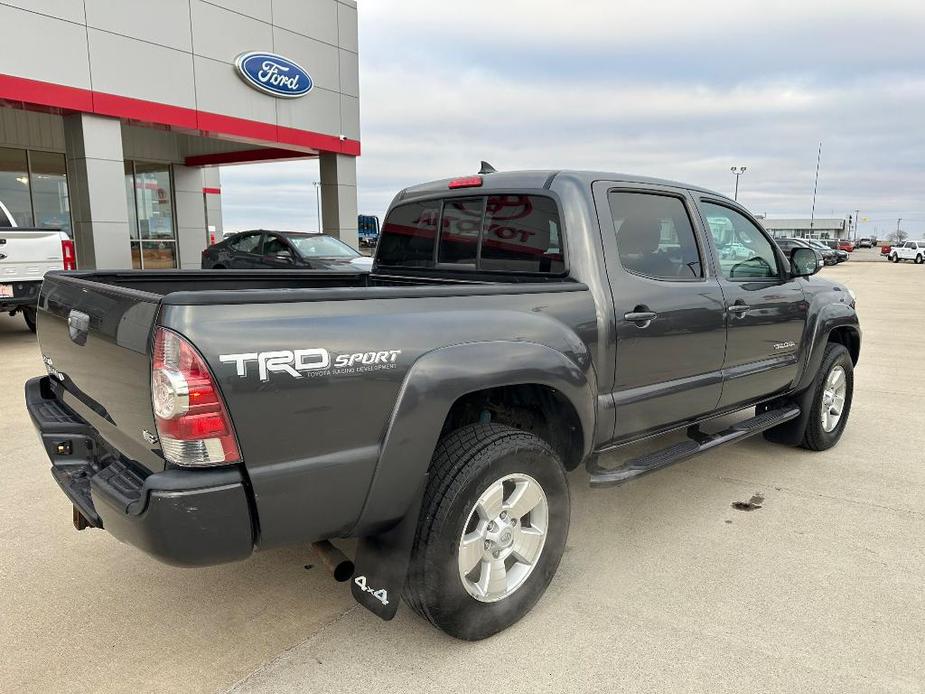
x=836 y=322
x=446 y=385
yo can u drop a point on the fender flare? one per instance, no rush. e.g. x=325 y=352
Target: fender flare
x=830 y=317
x=432 y=385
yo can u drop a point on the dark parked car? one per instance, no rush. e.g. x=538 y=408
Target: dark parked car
x=515 y=326
x=260 y=249
x=829 y=257
x=822 y=245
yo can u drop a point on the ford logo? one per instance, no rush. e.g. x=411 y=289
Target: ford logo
x=273 y=74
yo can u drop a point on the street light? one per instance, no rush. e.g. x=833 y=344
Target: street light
x=737 y=171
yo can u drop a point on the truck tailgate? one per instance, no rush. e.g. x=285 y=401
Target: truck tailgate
x=95 y=341
x=28 y=254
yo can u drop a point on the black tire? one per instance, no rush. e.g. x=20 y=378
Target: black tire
x=816 y=438
x=29 y=314
x=918 y=259
x=465 y=464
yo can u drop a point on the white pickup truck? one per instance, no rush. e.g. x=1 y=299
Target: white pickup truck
x=910 y=250
x=26 y=254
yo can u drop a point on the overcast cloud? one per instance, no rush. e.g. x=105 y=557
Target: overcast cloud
x=670 y=89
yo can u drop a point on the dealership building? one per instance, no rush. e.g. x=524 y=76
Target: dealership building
x=806 y=228
x=115 y=114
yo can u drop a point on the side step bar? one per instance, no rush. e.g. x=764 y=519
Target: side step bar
x=697 y=442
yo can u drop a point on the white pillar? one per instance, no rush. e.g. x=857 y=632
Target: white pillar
x=212 y=185
x=96 y=188
x=339 y=197
x=192 y=235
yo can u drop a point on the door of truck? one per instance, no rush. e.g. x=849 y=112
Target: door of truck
x=668 y=306
x=765 y=307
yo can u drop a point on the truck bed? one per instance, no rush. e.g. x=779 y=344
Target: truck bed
x=198 y=287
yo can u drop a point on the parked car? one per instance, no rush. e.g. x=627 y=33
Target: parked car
x=515 y=326
x=846 y=245
x=260 y=249
x=829 y=257
x=910 y=250
x=865 y=243
x=26 y=254
x=823 y=246
x=885 y=250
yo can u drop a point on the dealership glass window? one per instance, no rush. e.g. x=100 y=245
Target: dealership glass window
x=15 y=200
x=149 y=196
x=49 y=190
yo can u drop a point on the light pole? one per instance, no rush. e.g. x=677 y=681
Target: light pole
x=737 y=171
x=318 y=202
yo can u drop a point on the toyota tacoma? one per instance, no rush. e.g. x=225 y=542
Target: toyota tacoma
x=515 y=326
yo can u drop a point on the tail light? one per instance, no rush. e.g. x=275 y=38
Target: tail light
x=67 y=253
x=192 y=422
x=211 y=238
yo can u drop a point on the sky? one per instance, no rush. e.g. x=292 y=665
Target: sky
x=677 y=90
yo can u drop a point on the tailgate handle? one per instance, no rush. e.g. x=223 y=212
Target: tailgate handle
x=78 y=325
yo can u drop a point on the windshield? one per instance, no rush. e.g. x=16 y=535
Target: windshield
x=320 y=246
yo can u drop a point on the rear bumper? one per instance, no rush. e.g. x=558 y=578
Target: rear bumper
x=24 y=294
x=181 y=517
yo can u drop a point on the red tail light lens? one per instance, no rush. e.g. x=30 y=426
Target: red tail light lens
x=466 y=182
x=67 y=253
x=192 y=423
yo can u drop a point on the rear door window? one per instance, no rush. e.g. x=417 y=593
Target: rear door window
x=409 y=235
x=248 y=243
x=655 y=237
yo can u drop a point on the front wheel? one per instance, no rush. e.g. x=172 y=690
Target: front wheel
x=492 y=530
x=918 y=259
x=830 y=405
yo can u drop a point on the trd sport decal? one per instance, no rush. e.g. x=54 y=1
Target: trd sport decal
x=315 y=361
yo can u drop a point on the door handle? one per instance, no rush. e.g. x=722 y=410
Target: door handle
x=641 y=316
x=739 y=308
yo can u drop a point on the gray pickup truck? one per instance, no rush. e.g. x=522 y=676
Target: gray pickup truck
x=514 y=327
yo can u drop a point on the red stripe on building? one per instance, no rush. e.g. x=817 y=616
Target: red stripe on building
x=61 y=99
x=212 y=191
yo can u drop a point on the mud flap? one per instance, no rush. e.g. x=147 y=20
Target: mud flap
x=382 y=563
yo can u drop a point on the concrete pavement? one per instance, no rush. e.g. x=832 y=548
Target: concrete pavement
x=664 y=585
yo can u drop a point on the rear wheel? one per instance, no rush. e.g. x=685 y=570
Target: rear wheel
x=492 y=531
x=29 y=314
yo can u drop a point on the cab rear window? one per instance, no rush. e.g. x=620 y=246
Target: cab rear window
x=496 y=233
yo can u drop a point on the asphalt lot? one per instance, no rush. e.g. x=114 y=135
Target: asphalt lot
x=664 y=586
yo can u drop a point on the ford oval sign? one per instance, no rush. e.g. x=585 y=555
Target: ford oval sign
x=273 y=74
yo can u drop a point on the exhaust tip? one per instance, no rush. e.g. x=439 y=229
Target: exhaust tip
x=335 y=561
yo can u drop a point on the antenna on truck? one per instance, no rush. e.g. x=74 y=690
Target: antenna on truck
x=487 y=168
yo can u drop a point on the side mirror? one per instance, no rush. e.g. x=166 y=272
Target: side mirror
x=805 y=262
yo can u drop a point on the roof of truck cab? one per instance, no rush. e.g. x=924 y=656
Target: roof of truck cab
x=541 y=178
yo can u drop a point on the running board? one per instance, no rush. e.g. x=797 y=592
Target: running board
x=698 y=442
